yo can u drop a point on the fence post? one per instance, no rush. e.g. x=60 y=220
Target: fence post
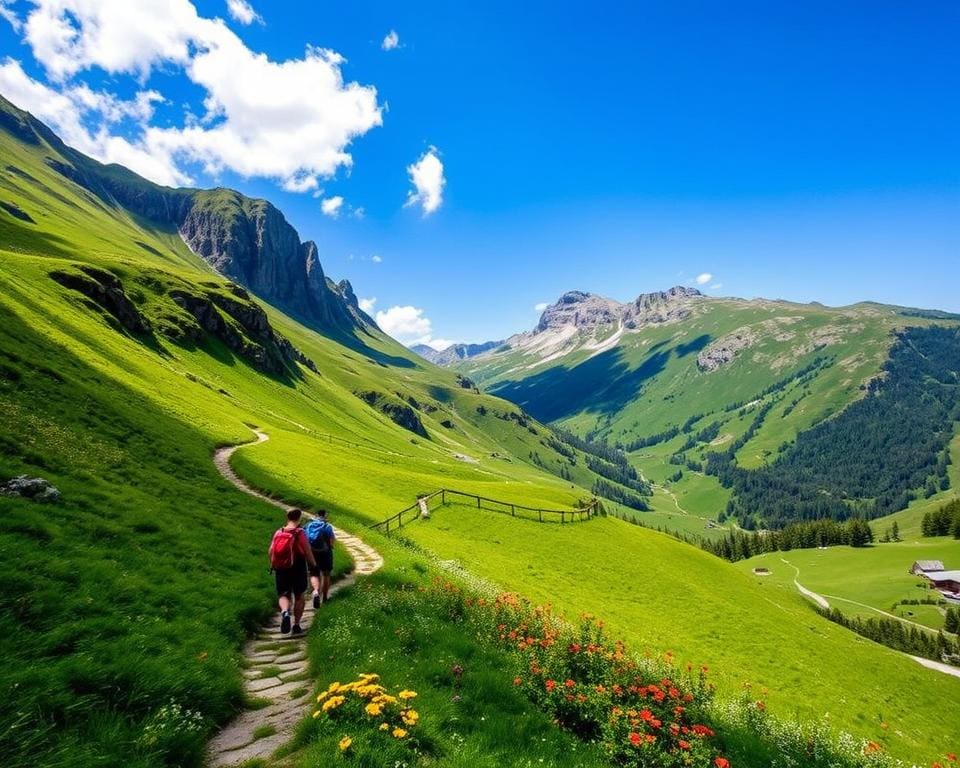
x=443 y=496
x=561 y=517
x=513 y=511
x=478 y=502
x=540 y=514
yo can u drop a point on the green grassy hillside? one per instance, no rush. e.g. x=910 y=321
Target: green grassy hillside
x=137 y=589
x=660 y=594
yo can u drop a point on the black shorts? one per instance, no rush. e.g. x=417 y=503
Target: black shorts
x=324 y=563
x=291 y=581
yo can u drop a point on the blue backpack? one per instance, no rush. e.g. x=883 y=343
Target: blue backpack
x=318 y=534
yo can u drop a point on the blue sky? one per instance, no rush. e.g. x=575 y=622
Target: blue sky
x=806 y=151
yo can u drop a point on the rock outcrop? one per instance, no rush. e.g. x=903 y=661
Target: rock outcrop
x=399 y=413
x=725 y=349
x=242 y=326
x=106 y=291
x=33 y=488
x=660 y=307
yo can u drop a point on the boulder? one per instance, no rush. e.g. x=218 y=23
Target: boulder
x=33 y=488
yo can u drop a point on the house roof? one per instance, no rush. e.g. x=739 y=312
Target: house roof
x=929 y=565
x=943 y=575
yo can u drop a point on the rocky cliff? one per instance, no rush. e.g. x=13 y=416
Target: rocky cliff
x=247 y=240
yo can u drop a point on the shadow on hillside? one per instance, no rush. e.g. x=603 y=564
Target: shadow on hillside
x=694 y=345
x=603 y=384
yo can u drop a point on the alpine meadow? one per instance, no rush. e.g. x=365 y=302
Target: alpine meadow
x=651 y=525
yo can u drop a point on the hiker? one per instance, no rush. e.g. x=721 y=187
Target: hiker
x=321 y=537
x=289 y=555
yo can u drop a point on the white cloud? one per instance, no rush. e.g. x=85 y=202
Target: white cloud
x=406 y=324
x=6 y=12
x=439 y=344
x=541 y=306
x=391 y=41
x=703 y=278
x=359 y=212
x=428 y=181
x=716 y=286
x=68 y=109
x=290 y=120
x=367 y=305
x=243 y=12
x=331 y=206
x=302 y=183
x=376 y=259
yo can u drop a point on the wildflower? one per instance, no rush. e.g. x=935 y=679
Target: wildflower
x=517 y=681
x=399 y=733
x=373 y=709
x=333 y=702
x=550 y=685
x=871 y=747
x=345 y=743
x=456 y=670
x=405 y=695
x=384 y=726
x=683 y=744
x=635 y=739
x=721 y=762
x=569 y=683
x=317 y=713
x=951 y=757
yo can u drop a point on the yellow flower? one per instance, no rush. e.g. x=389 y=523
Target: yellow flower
x=345 y=743
x=407 y=694
x=410 y=717
x=369 y=677
x=399 y=733
x=323 y=695
x=333 y=687
x=374 y=710
x=333 y=702
x=384 y=726
x=317 y=713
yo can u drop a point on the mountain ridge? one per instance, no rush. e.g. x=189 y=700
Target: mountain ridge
x=247 y=240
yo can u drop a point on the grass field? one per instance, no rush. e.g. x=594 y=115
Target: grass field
x=863 y=581
x=660 y=594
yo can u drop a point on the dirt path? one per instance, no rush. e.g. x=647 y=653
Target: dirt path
x=937 y=666
x=278 y=672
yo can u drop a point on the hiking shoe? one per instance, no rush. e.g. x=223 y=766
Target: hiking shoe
x=285 y=623
x=316 y=600
x=297 y=630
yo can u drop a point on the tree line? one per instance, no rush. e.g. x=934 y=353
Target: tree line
x=740 y=545
x=943 y=522
x=895 y=634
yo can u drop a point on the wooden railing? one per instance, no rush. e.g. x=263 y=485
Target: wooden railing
x=439 y=499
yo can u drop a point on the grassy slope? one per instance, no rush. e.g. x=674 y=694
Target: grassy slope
x=875 y=576
x=139 y=587
x=650 y=382
x=658 y=593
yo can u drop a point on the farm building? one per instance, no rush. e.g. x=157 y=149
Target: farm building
x=922 y=567
x=945 y=582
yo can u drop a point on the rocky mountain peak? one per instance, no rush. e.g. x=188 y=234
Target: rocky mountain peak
x=579 y=309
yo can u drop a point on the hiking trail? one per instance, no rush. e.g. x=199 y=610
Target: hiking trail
x=278 y=671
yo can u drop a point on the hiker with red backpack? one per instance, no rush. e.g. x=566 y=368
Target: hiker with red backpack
x=321 y=537
x=289 y=555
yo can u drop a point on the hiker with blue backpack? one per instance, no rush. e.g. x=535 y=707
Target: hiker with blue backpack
x=321 y=537
x=289 y=553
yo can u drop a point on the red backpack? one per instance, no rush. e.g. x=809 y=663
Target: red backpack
x=284 y=549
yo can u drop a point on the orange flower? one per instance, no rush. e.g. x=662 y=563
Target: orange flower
x=721 y=762
x=550 y=685
x=635 y=739
x=683 y=744
x=569 y=683
x=517 y=681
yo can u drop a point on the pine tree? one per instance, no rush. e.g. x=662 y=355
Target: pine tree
x=895 y=531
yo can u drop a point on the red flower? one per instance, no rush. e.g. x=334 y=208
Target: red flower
x=683 y=744
x=517 y=681
x=550 y=685
x=951 y=757
x=635 y=739
x=721 y=762
x=569 y=683
x=574 y=648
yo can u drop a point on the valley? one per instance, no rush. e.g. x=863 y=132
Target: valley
x=144 y=327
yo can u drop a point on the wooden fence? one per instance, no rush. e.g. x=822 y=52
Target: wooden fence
x=439 y=499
